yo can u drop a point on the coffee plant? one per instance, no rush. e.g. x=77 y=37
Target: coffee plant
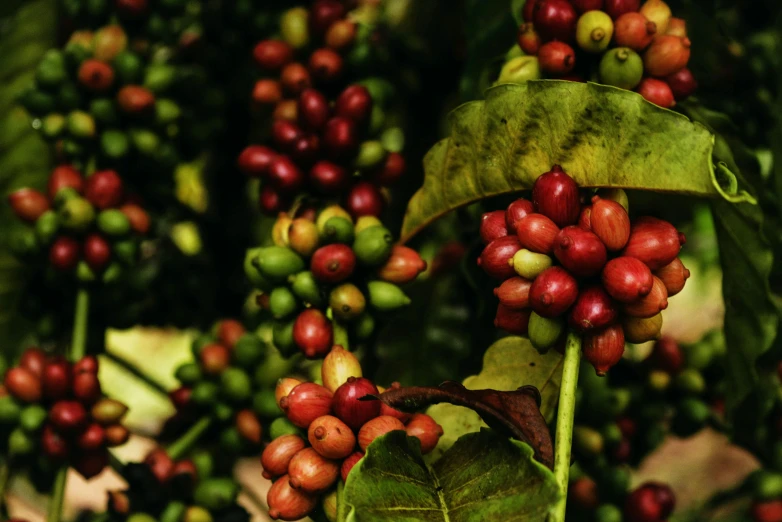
x=382 y=260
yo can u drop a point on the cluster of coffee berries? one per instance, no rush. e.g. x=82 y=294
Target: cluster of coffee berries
x=88 y=226
x=329 y=266
x=161 y=489
x=620 y=420
x=339 y=428
x=325 y=131
x=52 y=408
x=222 y=383
x=124 y=101
x=590 y=501
x=616 y=42
x=612 y=280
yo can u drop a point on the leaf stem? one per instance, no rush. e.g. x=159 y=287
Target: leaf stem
x=565 y=412
x=54 y=513
x=80 y=320
x=342 y=508
x=183 y=444
x=340 y=334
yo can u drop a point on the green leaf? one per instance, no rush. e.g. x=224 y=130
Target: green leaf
x=508 y=364
x=516 y=9
x=751 y=316
x=602 y=136
x=25 y=158
x=482 y=477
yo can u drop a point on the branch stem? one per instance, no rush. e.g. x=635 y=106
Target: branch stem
x=183 y=444
x=54 y=513
x=565 y=413
x=80 y=321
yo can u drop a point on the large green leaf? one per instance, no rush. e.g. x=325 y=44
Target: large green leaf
x=24 y=157
x=482 y=477
x=508 y=364
x=602 y=136
x=751 y=316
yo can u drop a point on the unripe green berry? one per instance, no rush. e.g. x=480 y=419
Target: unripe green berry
x=32 y=418
x=188 y=373
x=328 y=213
x=113 y=222
x=84 y=273
x=294 y=27
x=338 y=230
x=373 y=245
x=235 y=384
x=519 y=70
x=274 y=366
x=690 y=381
x=544 y=332
x=385 y=296
x=46 y=226
x=216 y=493
x=265 y=404
x=248 y=350
x=282 y=302
x=282 y=337
x=587 y=442
x=173 y=512
x=608 y=513
x=114 y=144
x=76 y=214
x=251 y=271
x=282 y=426
x=204 y=463
x=9 y=411
x=20 y=443
x=277 y=263
x=81 y=125
x=621 y=67
x=347 y=302
x=53 y=125
x=766 y=485
x=204 y=393
x=529 y=264
x=370 y=154
x=307 y=288
x=594 y=31
x=222 y=412
x=364 y=326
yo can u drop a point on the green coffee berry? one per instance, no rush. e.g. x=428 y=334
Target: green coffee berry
x=338 y=230
x=32 y=418
x=307 y=288
x=188 y=373
x=282 y=426
x=282 y=337
x=265 y=404
x=76 y=214
x=204 y=393
x=544 y=331
x=216 y=493
x=113 y=222
x=46 y=226
x=621 y=67
x=248 y=350
x=276 y=262
x=282 y=302
x=385 y=296
x=373 y=245
x=114 y=144
x=9 y=411
x=347 y=302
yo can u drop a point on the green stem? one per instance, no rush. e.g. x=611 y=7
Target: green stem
x=342 y=508
x=78 y=349
x=183 y=444
x=80 y=318
x=54 y=514
x=565 y=411
x=340 y=334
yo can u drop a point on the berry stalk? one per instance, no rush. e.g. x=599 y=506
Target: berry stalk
x=183 y=444
x=565 y=413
